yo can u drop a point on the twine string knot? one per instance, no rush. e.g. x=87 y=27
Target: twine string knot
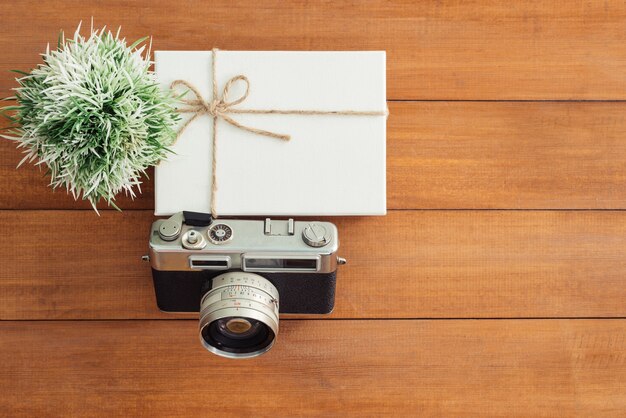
x=217 y=107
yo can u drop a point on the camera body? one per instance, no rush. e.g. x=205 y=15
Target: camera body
x=189 y=250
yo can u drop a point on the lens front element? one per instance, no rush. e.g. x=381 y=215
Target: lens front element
x=239 y=315
x=236 y=326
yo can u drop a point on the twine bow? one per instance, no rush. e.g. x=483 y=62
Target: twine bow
x=220 y=108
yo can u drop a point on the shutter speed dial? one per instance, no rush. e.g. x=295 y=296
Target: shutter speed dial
x=220 y=233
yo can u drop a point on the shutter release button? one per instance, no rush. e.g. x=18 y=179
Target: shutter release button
x=192 y=237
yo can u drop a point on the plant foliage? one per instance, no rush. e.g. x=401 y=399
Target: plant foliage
x=94 y=115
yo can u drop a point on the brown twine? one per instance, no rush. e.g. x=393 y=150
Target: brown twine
x=220 y=107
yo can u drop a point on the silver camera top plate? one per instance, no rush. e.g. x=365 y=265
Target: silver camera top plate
x=250 y=245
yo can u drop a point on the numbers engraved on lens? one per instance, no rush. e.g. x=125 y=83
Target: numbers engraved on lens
x=250 y=281
x=241 y=290
x=251 y=294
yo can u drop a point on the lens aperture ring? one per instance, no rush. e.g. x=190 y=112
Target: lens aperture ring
x=241 y=278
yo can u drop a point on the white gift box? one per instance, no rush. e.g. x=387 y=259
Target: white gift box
x=333 y=164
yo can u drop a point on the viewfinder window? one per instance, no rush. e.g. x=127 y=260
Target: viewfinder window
x=281 y=264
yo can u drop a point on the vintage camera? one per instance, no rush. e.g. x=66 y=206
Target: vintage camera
x=235 y=272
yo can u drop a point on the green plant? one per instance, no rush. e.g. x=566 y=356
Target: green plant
x=94 y=114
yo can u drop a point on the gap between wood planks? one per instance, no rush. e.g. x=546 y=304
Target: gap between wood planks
x=529 y=318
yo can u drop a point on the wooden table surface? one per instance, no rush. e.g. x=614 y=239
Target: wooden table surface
x=501 y=290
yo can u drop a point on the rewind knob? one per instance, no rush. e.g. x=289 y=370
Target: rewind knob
x=315 y=235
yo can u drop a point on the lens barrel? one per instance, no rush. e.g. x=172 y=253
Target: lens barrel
x=239 y=315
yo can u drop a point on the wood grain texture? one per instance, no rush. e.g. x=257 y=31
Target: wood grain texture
x=381 y=368
x=27 y=187
x=435 y=264
x=76 y=283
x=507 y=155
x=450 y=155
x=445 y=50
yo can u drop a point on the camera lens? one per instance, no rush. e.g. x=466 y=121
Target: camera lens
x=239 y=315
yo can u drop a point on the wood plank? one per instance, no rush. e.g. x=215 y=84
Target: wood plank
x=436 y=50
x=451 y=155
x=318 y=368
x=409 y=264
x=507 y=155
x=27 y=187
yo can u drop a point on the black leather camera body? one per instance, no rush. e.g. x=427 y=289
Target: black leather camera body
x=300 y=293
